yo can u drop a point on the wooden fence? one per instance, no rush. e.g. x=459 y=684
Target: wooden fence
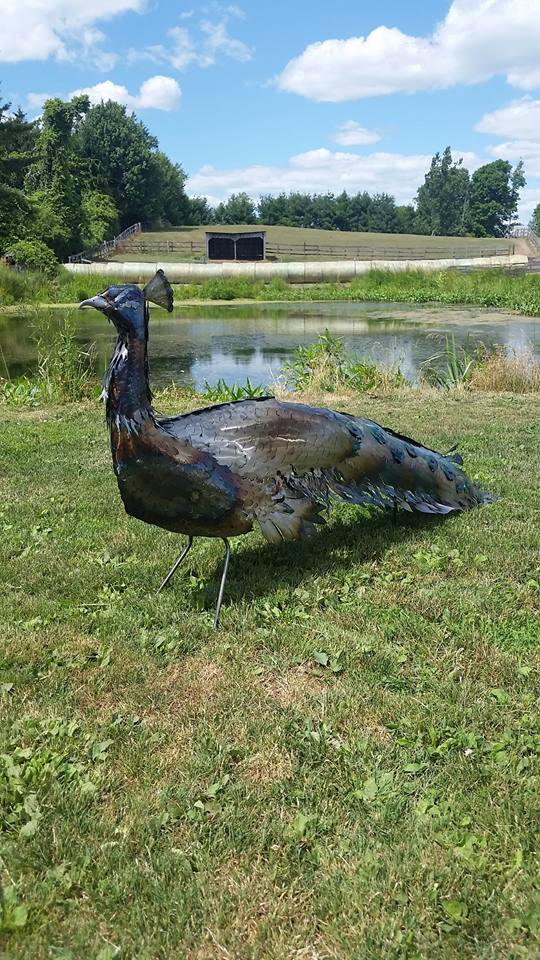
x=530 y=235
x=190 y=249
x=108 y=247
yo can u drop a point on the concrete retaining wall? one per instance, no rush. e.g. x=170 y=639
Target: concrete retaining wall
x=303 y=272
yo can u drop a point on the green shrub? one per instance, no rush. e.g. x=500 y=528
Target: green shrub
x=323 y=365
x=15 y=286
x=34 y=255
x=22 y=392
x=223 y=392
x=228 y=288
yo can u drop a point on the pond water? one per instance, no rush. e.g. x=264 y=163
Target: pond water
x=234 y=341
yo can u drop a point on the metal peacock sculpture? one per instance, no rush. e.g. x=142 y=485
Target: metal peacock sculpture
x=217 y=471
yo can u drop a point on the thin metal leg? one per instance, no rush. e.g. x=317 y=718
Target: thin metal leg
x=175 y=565
x=223 y=579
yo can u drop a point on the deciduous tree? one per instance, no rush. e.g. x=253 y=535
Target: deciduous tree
x=118 y=152
x=494 y=198
x=534 y=222
x=239 y=208
x=441 y=201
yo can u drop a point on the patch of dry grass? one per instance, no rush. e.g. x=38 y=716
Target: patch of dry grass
x=517 y=372
x=292 y=687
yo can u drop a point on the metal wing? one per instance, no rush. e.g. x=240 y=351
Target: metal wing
x=307 y=456
x=261 y=438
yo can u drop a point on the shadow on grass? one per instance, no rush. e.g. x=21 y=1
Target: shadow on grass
x=259 y=569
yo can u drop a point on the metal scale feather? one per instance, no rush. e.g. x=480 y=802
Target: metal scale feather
x=215 y=472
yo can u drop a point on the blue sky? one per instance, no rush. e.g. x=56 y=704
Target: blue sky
x=268 y=96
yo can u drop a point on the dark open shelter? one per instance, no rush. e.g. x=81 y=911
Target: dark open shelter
x=236 y=246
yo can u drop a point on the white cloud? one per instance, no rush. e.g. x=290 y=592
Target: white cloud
x=91 y=41
x=35 y=101
x=477 y=39
x=39 y=29
x=202 y=48
x=519 y=119
x=351 y=134
x=525 y=78
x=322 y=170
x=218 y=40
x=156 y=93
x=183 y=51
x=159 y=93
x=514 y=150
x=530 y=198
x=520 y=122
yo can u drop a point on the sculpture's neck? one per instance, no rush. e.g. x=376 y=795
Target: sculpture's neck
x=126 y=388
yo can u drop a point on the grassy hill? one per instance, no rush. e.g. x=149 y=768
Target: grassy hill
x=298 y=243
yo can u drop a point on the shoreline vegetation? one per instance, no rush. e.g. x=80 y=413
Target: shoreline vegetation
x=487 y=288
x=65 y=374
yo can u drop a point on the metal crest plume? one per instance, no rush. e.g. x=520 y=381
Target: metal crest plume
x=216 y=472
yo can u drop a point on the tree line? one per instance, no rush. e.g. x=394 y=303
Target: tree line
x=450 y=203
x=82 y=173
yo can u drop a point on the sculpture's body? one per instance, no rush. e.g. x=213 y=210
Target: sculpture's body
x=217 y=471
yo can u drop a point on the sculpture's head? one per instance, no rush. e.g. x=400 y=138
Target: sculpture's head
x=126 y=305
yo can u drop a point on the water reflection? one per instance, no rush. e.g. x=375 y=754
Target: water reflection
x=235 y=341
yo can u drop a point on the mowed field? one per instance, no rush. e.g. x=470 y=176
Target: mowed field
x=350 y=768
x=287 y=243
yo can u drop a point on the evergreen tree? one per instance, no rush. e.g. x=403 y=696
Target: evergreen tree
x=359 y=207
x=382 y=217
x=17 y=141
x=405 y=219
x=299 y=210
x=342 y=212
x=199 y=211
x=273 y=210
x=324 y=211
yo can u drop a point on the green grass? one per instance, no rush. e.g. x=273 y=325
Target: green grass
x=350 y=768
x=65 y=288
x=487 y=288
x=381 y=244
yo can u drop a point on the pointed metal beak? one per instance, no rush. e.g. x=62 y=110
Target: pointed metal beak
x=99 y=303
